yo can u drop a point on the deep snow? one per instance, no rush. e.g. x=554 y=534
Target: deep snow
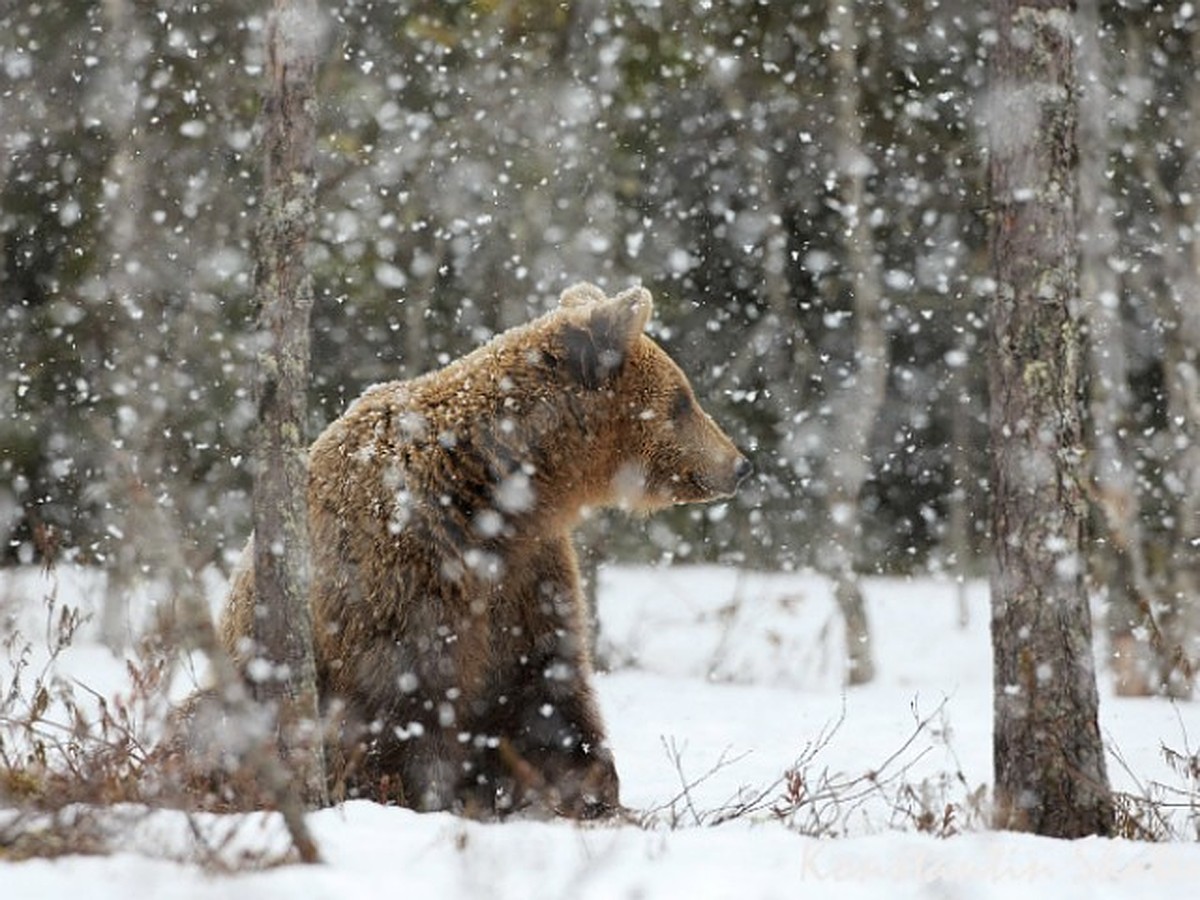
x=721 y=680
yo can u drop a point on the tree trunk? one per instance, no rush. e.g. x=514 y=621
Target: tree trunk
x=1050 y=771
x=960 y=522
x=1171 y=582
x=861 y=398
x=124 y=276
x=284 y=673
x=1110 y=402
x=1179 y=310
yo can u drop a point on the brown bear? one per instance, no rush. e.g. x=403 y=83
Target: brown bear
x=450 y=630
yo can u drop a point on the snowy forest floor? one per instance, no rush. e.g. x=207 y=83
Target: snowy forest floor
x=721 y=683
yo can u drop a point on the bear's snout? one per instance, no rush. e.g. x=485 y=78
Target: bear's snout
x=729 y=478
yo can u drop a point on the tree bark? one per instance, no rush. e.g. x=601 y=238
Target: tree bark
x=283 y=673
x=1050 y=774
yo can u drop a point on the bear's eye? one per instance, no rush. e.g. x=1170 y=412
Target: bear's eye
x=681 y=404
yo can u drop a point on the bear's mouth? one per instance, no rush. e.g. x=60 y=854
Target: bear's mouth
x=698 y=488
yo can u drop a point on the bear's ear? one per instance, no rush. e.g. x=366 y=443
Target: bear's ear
x=596 y=347
x=634 y=307
x=582 y=294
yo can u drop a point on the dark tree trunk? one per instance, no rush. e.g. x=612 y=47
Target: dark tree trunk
x=1049 y=760
x=283 y=630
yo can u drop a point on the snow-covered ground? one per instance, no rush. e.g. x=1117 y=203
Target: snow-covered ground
x=721 y=681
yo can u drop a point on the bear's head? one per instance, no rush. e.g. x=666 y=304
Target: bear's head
x=664 y=449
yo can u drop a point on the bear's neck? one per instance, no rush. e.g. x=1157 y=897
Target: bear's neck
x=537 y=455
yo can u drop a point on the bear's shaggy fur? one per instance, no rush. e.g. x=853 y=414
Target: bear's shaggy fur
x=450 y=630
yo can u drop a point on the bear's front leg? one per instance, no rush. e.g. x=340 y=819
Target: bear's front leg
x=552 y=744
x=569 y=772
x=403 y=725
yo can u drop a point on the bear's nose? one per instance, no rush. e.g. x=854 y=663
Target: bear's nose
x=742 y=469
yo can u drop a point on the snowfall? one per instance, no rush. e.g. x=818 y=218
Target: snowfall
x=719 y=683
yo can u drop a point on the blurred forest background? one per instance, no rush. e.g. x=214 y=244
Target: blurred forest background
x=801 y=186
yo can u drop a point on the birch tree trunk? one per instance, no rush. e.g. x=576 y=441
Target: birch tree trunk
x=1050 y=774
x=862 y=397
x=960 y=523
x=285 y=670
x=125 y=281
